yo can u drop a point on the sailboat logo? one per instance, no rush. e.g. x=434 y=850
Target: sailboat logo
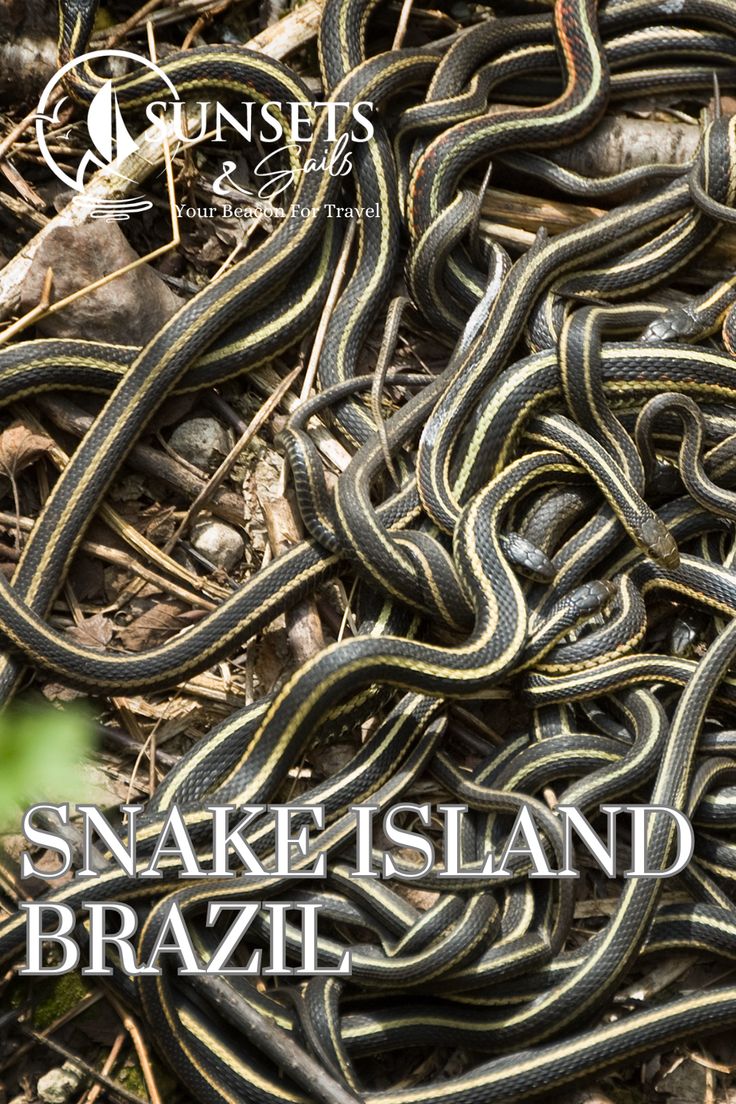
x=106 y=126
x=110 y=138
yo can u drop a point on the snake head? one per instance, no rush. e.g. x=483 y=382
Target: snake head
x=527 y=558
x=658 y=543
x=684 y=636
x=677 y=322
x=593 y=596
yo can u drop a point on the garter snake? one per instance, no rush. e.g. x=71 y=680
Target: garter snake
x=632 y=368
x=717 y=500
x=435 y=174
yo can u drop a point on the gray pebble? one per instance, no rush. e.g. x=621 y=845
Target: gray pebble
x=202 y=442
x=59 y=1084
x=219 y=543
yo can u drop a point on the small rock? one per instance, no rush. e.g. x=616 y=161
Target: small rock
x=219 y=543
x=130 y=310
x=60 y=1084
x=202 y=442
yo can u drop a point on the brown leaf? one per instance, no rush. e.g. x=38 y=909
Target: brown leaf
x=19 y=447
x=160 y=523
x=94 y=632
x=153 y=626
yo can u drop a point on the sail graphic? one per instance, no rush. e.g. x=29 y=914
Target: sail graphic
x=106 y=126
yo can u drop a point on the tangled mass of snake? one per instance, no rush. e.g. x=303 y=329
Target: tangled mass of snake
x=541 y=525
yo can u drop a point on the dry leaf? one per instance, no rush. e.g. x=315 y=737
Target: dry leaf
x=153 y=626
x=19 y=447
x=159 y=523
x=94 y=632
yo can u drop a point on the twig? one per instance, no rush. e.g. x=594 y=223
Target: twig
x=402 y=24
x=131 y=1026
x=727 y=1068
x=46 y=308
x=152 y=748
x=527 y=212
x=513 y=219
x=128 y=532
x=19 y=129
x=210 y=688
x=264 y=380
x=172 y=243
x=204 y=20
x=290 y=33
x=303 y=624
x=23 y=212
x=319 y=337
x=225 y=411
x=348 y=618
x=145 y=746
x=91 y=1094
x=84 y=1004
x=169 y=468
x=90 y=1071
x=118 y=559
x=37 y=312
x=123 y=740
x=173 y=13
x=123 y=29
x=620 y=142
x=658 y=978
x=21 y=185
x=142 y=741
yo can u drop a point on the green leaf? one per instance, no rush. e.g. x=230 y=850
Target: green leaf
x=42 y=752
